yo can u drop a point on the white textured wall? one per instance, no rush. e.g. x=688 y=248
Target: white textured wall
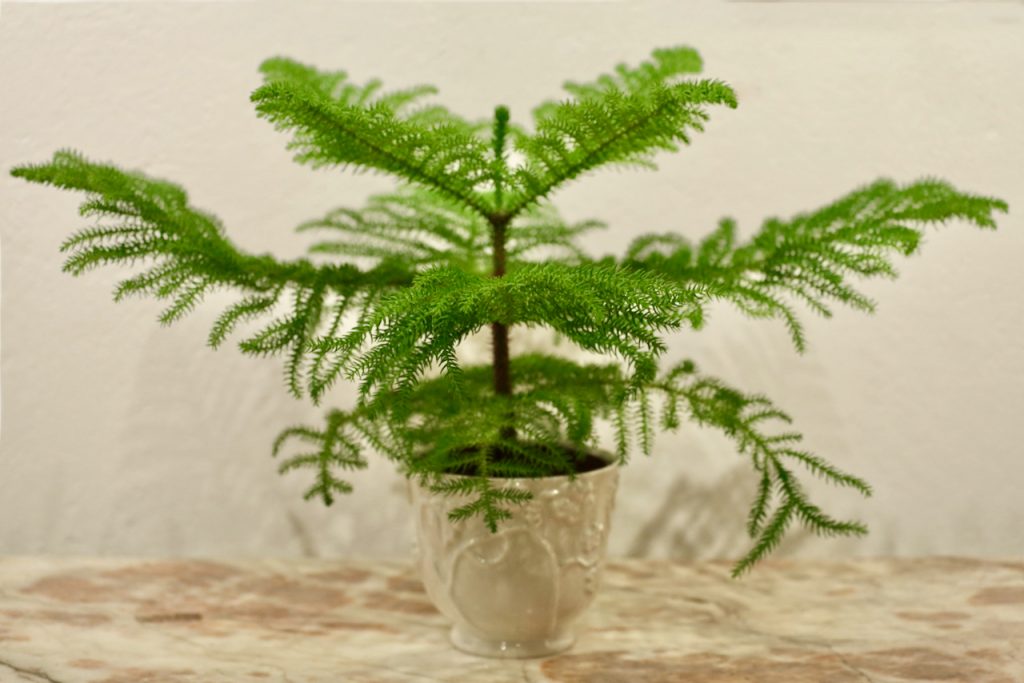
x=120 y=436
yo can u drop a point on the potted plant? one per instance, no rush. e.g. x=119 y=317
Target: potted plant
x=512 y=493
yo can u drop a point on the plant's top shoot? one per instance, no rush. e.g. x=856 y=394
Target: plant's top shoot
x=470 y=241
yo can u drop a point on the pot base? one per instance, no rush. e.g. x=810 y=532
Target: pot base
x=509 y=649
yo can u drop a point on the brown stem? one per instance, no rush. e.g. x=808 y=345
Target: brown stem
x=502 y=378
x=499 y=222
x=499 y=331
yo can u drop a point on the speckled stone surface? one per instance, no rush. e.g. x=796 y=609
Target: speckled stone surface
x=147 y=621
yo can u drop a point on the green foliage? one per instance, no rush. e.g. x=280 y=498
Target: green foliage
x=556 y=404
x=609 y=125
x=560 y=402
x=601 y=309
x=143 y=220
x=812 y=256
x=541 y=228
x=664 y=67
x=412 y=228
x=741 y=417
x=335 y=125
x=393 y=289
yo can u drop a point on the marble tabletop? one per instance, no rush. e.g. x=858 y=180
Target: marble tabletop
x=70 y=620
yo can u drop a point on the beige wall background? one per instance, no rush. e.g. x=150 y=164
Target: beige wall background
x=122 y=437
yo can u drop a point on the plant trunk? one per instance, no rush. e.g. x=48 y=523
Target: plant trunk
x=499 y=331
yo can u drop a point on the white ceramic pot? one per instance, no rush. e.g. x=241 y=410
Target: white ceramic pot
x=517 y=592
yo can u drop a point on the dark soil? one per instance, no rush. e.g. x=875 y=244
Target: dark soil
x=580 y=461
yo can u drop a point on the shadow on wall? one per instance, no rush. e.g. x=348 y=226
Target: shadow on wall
x=194 y=460
x=704 y=521
x=699 y=503
x=197 y=473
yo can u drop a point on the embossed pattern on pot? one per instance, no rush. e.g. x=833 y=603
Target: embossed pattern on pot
x=518 y=592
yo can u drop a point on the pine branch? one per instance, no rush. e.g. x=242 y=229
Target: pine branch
x=187 y=255
x=556 y=401
x=600 y=309
x=665 y=67
x=434 y=431
x=438 y=431
x=334 y=85
x=813 y=256
x=740 y=416
x=622 y=118
x=540 y=229
x=611 y=127
x=415 y=228
x=333 y=126
x=335 y=448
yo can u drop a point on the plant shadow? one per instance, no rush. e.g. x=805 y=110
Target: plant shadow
x=698 y=522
